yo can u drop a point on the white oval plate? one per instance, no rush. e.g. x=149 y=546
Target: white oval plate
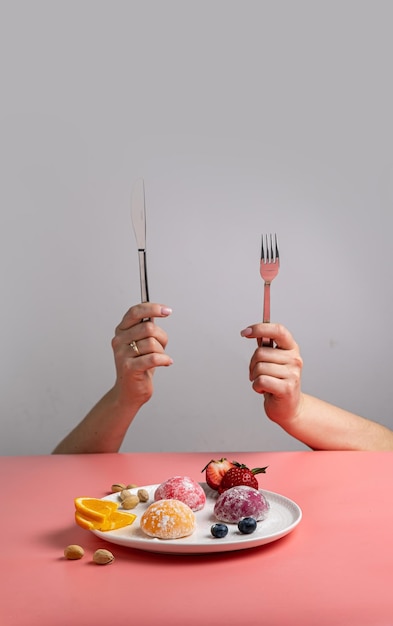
x=284 y=515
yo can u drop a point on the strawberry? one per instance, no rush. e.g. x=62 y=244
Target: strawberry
x=240 y=475
x=215 y=470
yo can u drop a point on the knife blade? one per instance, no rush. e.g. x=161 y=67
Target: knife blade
x=138 y=216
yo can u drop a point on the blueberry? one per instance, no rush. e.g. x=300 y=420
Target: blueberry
x=247 y=525
x=219 y=530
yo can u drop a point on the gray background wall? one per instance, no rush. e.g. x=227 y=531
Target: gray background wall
x=242 y=117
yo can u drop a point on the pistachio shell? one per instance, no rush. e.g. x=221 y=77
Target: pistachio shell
x=103 y=557
x=73 y=552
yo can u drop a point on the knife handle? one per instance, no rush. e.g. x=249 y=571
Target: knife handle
x=143 y=276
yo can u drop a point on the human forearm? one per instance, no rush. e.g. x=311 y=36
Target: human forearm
x=323 y=426
x=102 y=430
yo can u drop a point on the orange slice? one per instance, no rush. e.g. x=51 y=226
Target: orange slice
x=118 y=519
x=115 y=520
x=94 y=508
x=95 y=514
x=84 y=522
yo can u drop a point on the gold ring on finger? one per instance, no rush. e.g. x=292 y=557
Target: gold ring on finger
x=134 y=347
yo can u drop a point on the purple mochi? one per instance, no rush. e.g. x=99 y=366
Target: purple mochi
x=241 y=501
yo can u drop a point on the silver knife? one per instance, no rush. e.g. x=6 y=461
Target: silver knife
x=138 y=216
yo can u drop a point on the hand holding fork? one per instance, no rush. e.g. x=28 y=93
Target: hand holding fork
x=269 y=266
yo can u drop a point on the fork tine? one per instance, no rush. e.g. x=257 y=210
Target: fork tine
x=276 y=247
x=265 y=251
x=262 y=251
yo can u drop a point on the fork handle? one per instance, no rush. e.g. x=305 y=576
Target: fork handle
x=266 y=303
x=266 y=313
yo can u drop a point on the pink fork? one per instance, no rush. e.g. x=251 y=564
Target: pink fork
x=270 y=264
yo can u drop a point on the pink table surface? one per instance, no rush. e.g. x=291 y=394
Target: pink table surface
x=335 y=568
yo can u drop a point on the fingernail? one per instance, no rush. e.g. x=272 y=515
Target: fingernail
x=246 y=332
x=165 y=310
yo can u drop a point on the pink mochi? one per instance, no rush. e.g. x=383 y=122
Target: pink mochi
x=238 y=502
x=184 y=489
